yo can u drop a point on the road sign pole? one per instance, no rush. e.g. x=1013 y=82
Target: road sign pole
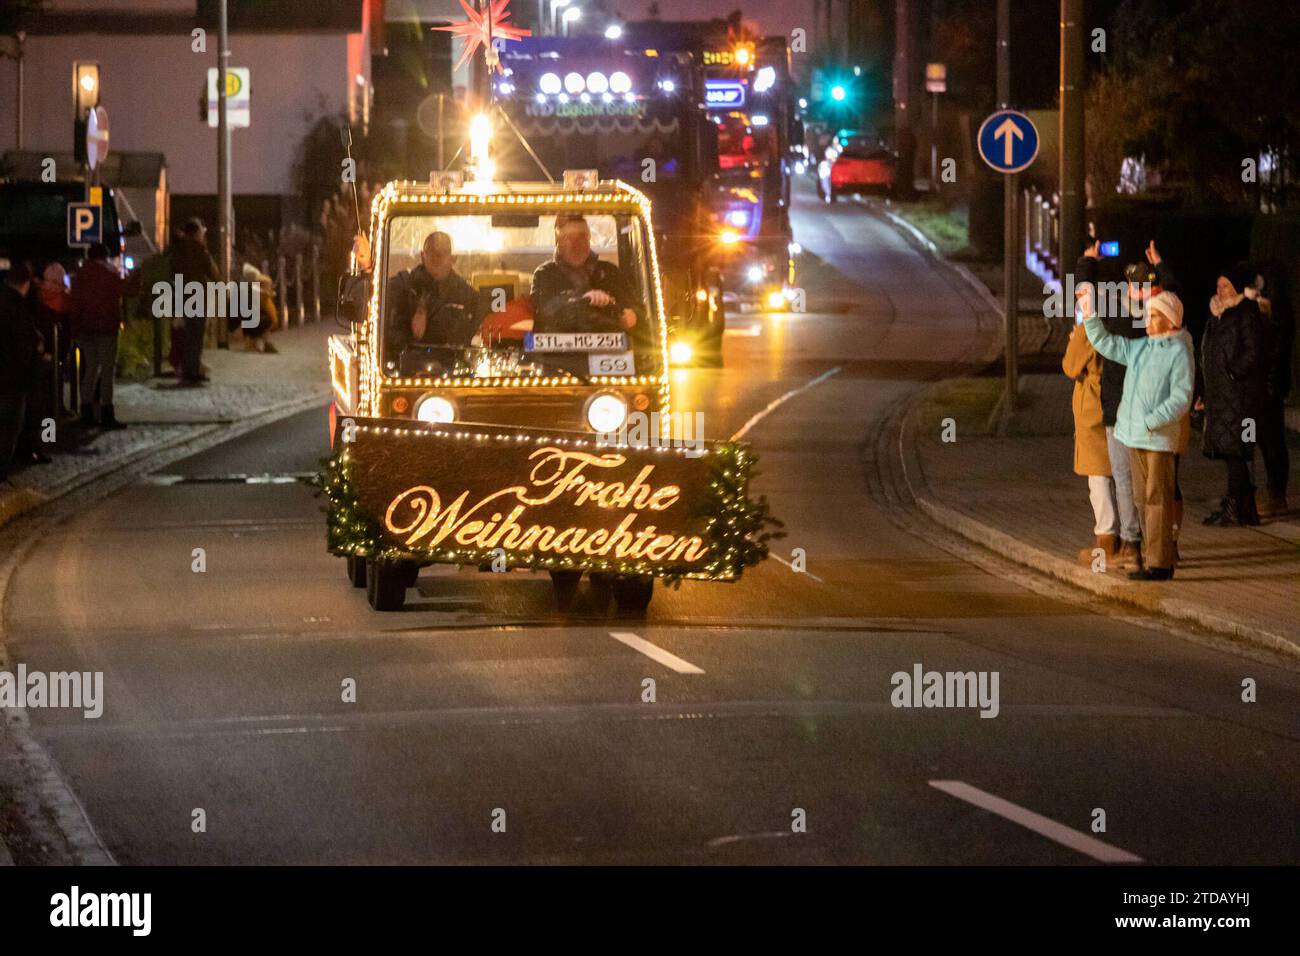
x=1011 y=223
x=223 y=159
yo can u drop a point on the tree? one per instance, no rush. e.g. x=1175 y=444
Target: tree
x=16 y=15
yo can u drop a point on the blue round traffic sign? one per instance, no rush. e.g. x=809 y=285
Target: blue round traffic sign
x=1008 y=141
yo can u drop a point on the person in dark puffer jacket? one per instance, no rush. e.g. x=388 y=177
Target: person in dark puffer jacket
x=1234 y=368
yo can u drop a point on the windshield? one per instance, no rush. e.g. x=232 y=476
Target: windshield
x=741 y=143
x=516 y=294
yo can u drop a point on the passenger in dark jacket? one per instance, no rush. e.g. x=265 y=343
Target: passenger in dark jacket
x=1234 y=368
x=568 y=287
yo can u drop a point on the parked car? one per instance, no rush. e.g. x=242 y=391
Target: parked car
x=34 y=223
x=855 y=163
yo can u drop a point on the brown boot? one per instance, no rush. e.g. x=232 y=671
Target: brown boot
x=1271 y=506
x=1108 y=543
x=1129 y=557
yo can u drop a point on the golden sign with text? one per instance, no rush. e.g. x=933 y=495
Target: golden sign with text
x=462 y=491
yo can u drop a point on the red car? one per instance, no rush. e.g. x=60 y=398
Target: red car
x=855 y=165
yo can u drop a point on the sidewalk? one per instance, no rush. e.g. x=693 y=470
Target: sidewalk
x=244 y=385
x=1017 y=495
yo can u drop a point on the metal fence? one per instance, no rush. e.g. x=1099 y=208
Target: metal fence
x=1042 y=233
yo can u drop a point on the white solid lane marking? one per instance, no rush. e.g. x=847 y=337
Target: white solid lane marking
x=1089 y=846
x=655 y=653
x=778 y=402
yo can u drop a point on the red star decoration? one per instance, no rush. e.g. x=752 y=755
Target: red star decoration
x=482 y=27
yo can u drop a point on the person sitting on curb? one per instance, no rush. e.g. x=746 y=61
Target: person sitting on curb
x=1157 y=398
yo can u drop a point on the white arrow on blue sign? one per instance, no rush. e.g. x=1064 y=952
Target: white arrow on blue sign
x=1008 y=141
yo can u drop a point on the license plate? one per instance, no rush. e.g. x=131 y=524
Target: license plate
x=575 y=342
x=611 y=363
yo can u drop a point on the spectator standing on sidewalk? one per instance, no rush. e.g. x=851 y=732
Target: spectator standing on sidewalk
x=193 y=262
x=97 y=293
x=1083 y=366
x=50 y=306
x=1143 y=279
x=1234 y=368
x=1280 y=323
x=20 y=359
x=54 y=308
x=1156 y=401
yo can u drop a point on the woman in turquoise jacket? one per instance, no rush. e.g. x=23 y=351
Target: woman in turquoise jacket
x=1151 y=421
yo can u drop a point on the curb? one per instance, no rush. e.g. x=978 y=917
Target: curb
x=1045 y=562
x=63 y=810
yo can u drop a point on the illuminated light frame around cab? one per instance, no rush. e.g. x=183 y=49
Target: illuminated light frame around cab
x=621 y=195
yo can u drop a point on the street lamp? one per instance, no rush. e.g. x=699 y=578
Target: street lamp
x=85 y=88
x=569 y=16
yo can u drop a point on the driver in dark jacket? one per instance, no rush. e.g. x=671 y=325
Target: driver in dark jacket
x=431 y=304
x=576 y=276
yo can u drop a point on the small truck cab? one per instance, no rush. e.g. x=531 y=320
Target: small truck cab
x=502 y=399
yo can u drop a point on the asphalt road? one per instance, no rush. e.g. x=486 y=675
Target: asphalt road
x=223 y=688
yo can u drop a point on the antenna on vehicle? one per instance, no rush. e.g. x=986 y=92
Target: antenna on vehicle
x=346 y=133
x=527 y=147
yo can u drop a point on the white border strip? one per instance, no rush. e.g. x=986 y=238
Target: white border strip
x=778 y=402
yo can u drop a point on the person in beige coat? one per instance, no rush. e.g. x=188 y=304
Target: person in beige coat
x=1083 y=366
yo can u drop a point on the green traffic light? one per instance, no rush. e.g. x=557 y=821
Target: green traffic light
x=838 y=93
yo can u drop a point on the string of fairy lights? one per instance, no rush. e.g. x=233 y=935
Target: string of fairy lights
x=479 y=199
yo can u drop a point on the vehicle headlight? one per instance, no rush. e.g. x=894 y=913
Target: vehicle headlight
x=549 y=83
x=680 y=353
x=729 y=237
x=436 y=410
x=620 y=82
x=606 y=413
x=755 y=274
x=597 y=82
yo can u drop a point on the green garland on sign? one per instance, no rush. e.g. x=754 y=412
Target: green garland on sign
x=739 y=527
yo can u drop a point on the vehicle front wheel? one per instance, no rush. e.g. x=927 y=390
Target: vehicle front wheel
x=633 y=593
x=356 y=570
x=386 y=584
x=566 y=587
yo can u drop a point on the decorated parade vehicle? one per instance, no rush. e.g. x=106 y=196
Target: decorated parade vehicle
x=502 y=420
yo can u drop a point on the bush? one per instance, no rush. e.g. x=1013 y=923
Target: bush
x=135 y=349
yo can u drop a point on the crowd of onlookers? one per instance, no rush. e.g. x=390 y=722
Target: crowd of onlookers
x=41 y=317
x=48 y=320
x=1140 y=381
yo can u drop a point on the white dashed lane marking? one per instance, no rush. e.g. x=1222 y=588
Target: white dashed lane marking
x=1087 y=845
x=655 y=653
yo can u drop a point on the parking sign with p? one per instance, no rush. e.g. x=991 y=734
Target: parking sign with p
x=85 y=223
